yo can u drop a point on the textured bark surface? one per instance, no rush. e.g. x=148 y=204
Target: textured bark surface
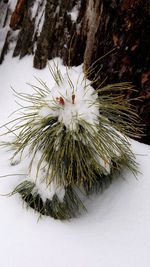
x=100 y=27
x=22 y=17
x=4 y=34
x=17 y=14
x=56 y=32
x=125 y=25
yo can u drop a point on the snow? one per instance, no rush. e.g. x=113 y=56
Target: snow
x=3 y=34
x=38 y=13
x=74 y=13
x=46 y=191
x=34 y=8
x=12 y=4
x=78 y=102
x=40 y=18
x=3 y=9
x=114 y=232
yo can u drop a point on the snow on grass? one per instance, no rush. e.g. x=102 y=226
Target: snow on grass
x=114 y=233
x=46 y=191
x=70 y=105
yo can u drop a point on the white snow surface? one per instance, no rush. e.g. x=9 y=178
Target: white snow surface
x=3 y=12
x=34 y=8
x=74 y=13
x=115 y=232
x=3 y=34
x=12 y=4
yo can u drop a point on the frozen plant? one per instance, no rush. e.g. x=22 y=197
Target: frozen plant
x=76 y=138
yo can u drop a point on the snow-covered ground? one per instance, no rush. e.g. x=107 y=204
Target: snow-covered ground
x=114 y=233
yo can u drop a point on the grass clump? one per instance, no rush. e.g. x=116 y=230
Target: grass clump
x=81 y=134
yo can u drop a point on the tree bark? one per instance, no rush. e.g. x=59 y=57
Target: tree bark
x=100 y=26
x=3 y=34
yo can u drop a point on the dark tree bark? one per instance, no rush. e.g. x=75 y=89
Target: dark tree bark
x=101 y=26
x=3 y=35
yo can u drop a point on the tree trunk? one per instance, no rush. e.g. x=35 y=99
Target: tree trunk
x=3 y=33
x=117 y=31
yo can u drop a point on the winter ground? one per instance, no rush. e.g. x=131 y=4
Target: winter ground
x=114 y=233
